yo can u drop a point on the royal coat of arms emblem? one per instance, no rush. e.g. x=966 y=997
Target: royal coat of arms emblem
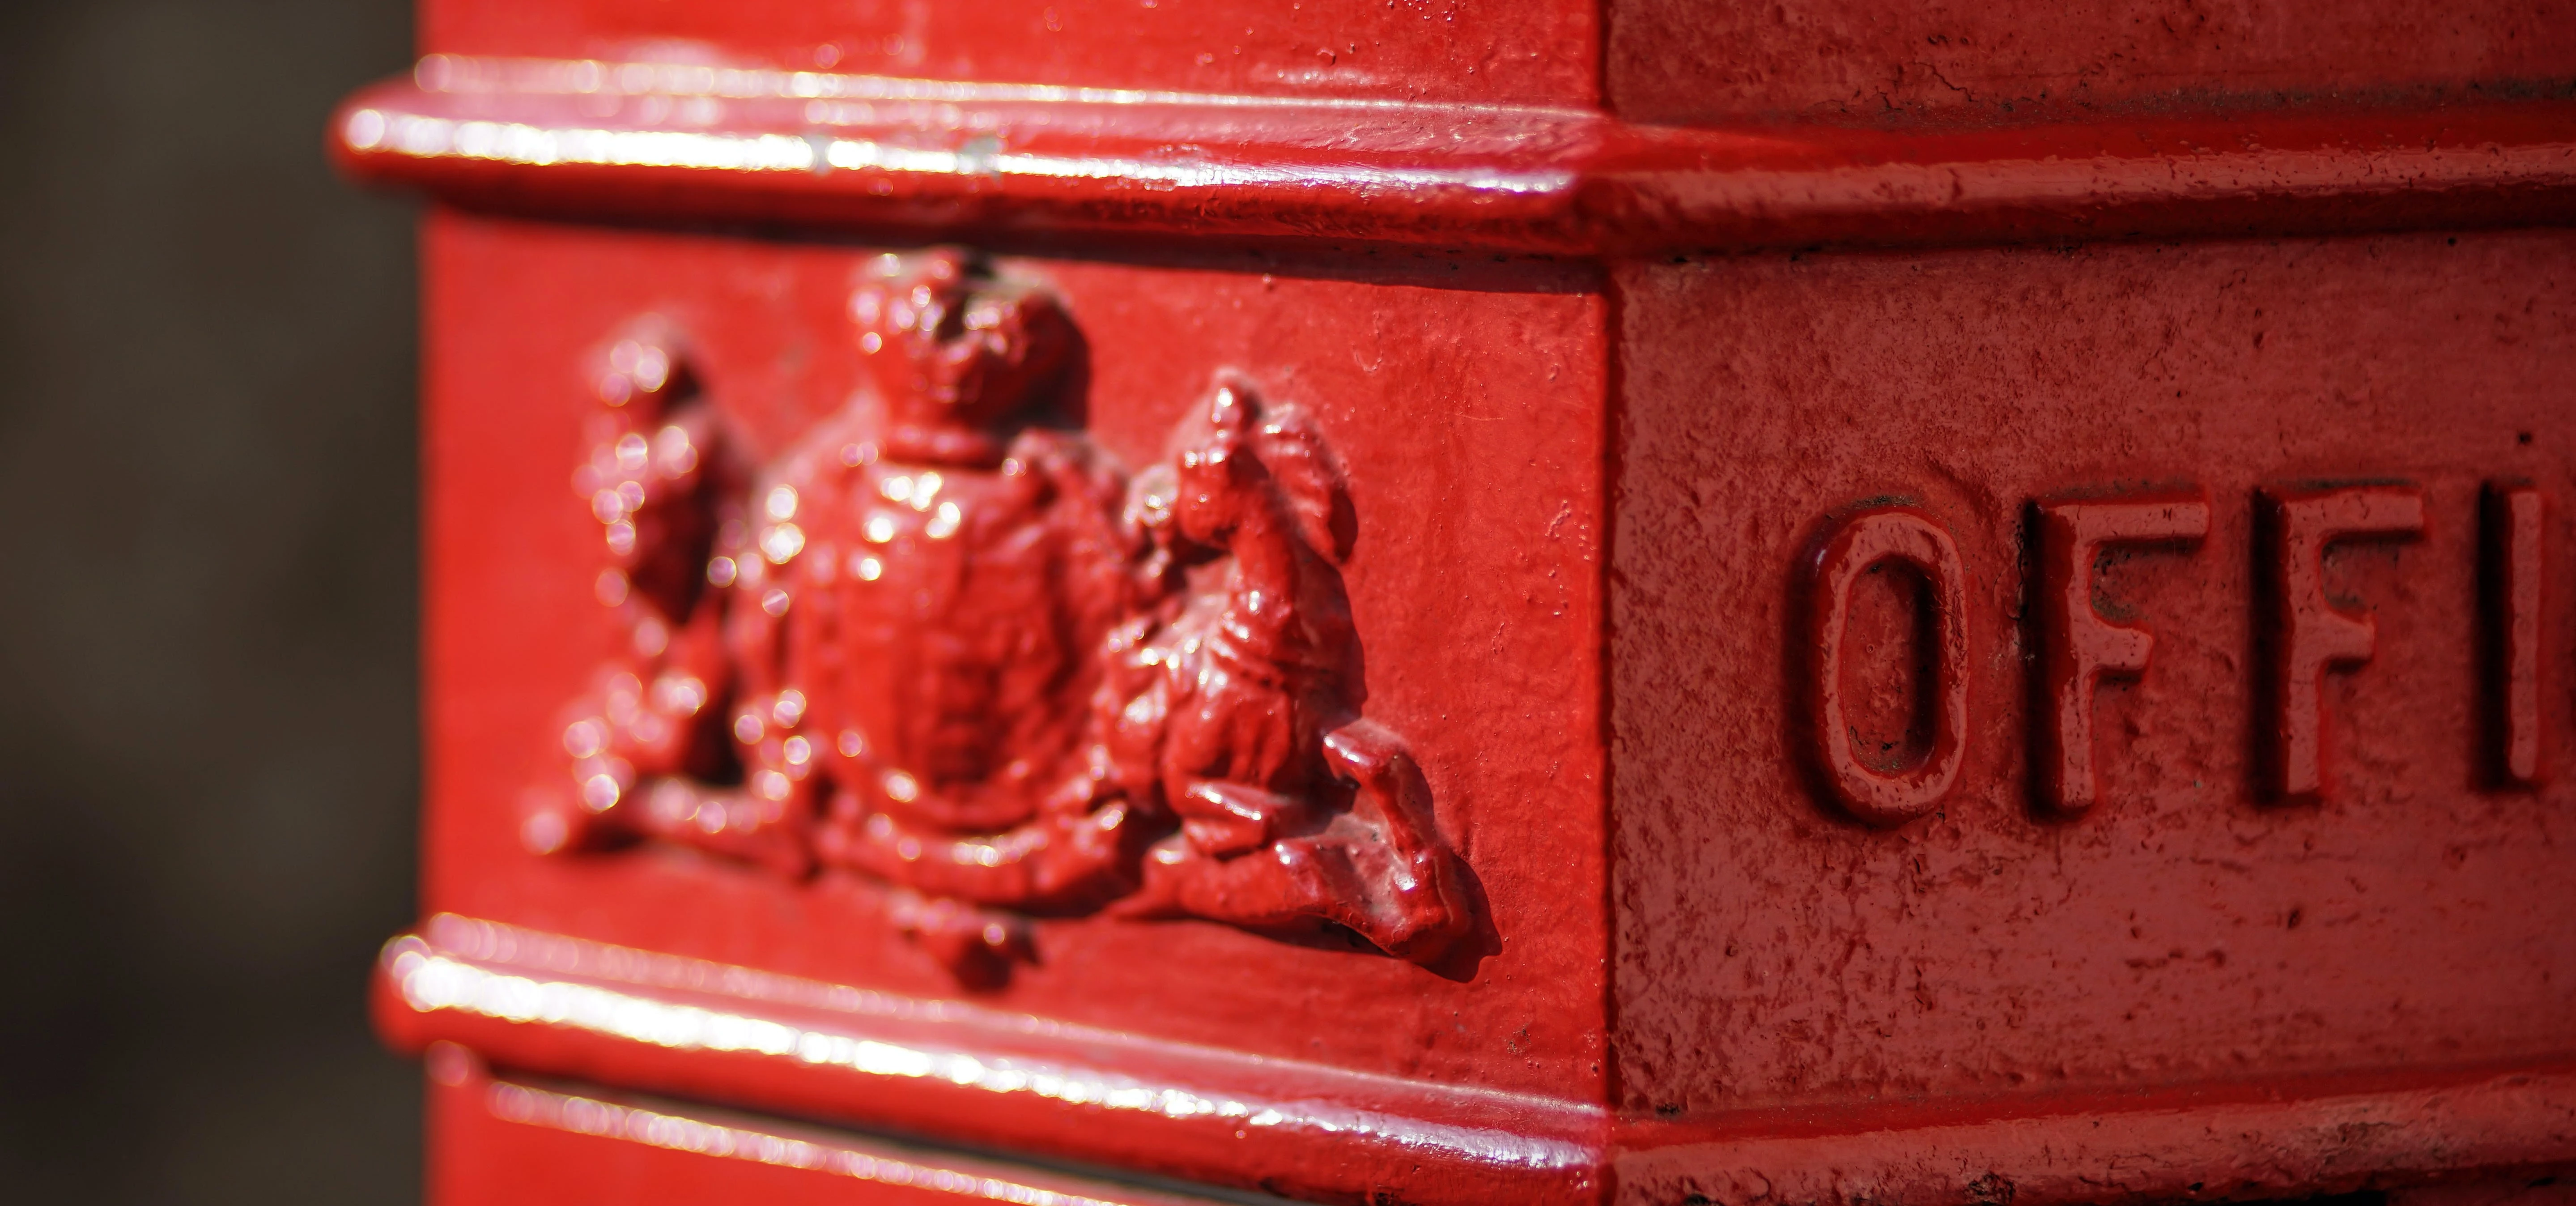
x=945 y=643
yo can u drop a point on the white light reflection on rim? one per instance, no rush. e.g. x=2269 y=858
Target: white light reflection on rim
x=423 y=137
x=470 y=74
x=538 y=146
x=857 y=154
x=587 y=1116
x=432 y=982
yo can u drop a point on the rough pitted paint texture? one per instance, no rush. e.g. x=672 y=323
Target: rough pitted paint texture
x=1693 y=60
x=1474 y=454
x=1531 y=53
x=1772 y=950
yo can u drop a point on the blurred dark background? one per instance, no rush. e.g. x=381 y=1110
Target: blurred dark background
x=207 y=751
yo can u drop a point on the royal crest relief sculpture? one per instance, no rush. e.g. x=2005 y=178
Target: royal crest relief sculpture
x=945 y=643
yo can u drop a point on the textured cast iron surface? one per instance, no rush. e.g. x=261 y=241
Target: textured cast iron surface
x=1692 y=649
x=2389 y=904
x=945 y=642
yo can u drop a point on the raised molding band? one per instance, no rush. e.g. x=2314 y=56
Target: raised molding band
x=813 y=150
x=546 y=1003
x=549 y=1004
x=912 y=1173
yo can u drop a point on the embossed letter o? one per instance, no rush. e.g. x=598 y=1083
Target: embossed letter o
x=1871 y=538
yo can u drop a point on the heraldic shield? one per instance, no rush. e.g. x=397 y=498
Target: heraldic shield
x=946 y=643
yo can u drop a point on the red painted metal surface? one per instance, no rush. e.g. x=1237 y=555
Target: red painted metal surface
x=520 y=320
x=947 y=644
x=1393 y=632
x=1127 y=169
x=2077 y=647
x=1944 y=61
x=2378 y=903
x=1870 y=783
x=553 y=1142
x=1542 y=52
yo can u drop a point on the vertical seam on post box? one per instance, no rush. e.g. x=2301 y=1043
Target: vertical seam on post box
x=1613 y=420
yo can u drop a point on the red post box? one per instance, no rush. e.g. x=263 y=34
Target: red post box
x=1419 y=602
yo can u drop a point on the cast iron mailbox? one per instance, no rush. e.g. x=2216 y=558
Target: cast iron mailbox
x=1156 y=601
